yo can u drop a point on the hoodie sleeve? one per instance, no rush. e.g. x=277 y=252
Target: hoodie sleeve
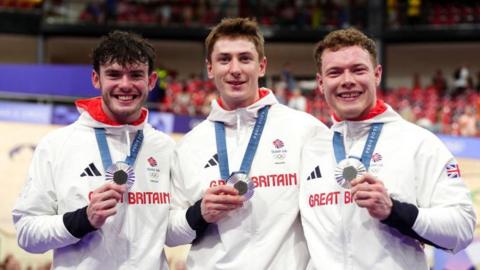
x=446 y=215
x=39 y=226
x=179 y=231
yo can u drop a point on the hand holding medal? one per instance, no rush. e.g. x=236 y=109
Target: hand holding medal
x=370 y=193
x=103 y=203
x=218 y=201
x=104 y=199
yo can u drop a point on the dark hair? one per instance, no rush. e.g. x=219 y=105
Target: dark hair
x=236 y=28
x=344 y=38
x=124 y=48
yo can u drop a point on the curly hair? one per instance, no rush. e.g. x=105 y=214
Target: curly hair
x=123 y=48
x=344 y=38
x=236 y=28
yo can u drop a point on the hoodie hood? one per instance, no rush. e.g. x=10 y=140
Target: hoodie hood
x=247 y=114
x=381 y=113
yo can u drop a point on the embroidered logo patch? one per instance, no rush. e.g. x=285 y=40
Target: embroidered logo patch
x=279 y=153
x=452 y=169
x=376 y=157
x=213 y=161
x=315 y=174
x=90 y=170
x=278 y=144
x=152 y=162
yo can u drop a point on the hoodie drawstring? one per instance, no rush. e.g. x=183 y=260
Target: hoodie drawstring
x=127 y=135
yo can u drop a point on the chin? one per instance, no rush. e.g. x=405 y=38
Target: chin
x=349 y=115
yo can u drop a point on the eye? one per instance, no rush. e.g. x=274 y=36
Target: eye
x=332 y=73
x=245 y=58
x=223 y=59
x=113 y=74
x=360 y=70
x=137 y=75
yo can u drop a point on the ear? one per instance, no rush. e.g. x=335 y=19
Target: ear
x=378 y=75
x=152 y=80
x=95 y=79
x=263 y=67
x=319 y=80
x=209 y=69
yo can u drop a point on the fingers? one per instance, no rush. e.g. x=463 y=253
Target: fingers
x=103 y=202
x=111 y=186
x=109 y=191
x=218 y=201
x=370 y=193
x=365 y=178
x=222 y=189
x=223 y=195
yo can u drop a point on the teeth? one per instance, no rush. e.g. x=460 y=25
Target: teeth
x=125 y=97
x=349 y=95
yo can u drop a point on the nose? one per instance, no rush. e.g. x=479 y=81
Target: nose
x=124 y=82
x=234 y=67
x=347 y=79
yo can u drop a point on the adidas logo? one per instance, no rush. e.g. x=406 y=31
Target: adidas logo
x=212 y=162
x=315 y=174
x=90 y=170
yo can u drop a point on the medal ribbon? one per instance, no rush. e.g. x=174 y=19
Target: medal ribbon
x=251 y=148
x=372 y=139
x=105 y=152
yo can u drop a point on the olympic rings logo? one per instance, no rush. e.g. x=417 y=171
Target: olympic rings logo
x=279 y=155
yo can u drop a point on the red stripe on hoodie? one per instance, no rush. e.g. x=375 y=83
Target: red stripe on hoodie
x=379 y=108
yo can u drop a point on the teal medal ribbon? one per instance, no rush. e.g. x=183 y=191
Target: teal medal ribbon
x=349 y=168
x=240 y=179
x=120 y=172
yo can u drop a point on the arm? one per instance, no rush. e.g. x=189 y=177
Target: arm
x=443 y=216
x=188 y=221
x=179 y=231
x=448 y=223
x=39 y=226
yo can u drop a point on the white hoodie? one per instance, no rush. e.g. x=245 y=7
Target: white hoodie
x=266 y=232
x=412 y=163
x=67 y=167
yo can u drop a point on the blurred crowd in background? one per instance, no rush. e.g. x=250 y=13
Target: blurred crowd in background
x=283 y=13
x=449 y=104
x=452 y=109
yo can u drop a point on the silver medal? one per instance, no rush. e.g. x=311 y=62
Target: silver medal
x=121 y=173
x=347 y=170
x=243 y=184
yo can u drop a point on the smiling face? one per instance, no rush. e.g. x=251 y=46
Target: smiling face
x=235 y=68
x=124 y=89
x=349 y=79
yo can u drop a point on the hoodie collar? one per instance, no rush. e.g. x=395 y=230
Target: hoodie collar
x=379 y=108
x=361 y=126
x=93 y=114
x=249 y=113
